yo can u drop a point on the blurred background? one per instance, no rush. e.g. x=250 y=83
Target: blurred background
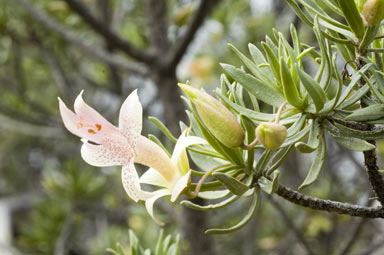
x=52 y=202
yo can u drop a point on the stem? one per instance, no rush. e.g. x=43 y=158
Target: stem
x=251 y=145
x=280 y=111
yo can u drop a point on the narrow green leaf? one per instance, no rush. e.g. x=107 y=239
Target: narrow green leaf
x=314 y=90
x=158 y=142
x=221 y=204
x=253 y=85
x=316 y=166
x=278 y=158
x=163 y=128
x=234 y=185
x=269 y=186
x=291 y=93
x=247 y=218
x=272 y=60
x=352 y=15
x=365 y=135
x=372 y=112
x=313 y=139
x=350 y=143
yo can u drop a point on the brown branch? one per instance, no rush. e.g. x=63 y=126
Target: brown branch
x=182 y=43
x=329 y=205
x=68 y=35
x=113 y=39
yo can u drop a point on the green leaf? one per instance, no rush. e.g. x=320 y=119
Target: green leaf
x=235 y=186
x=272 y=60
x=352 y=15
x=254 y=86
x=163 y=128
x=158 y=142
x=313 y=139
x=269 y=186
x=314 y=90
x=350 y=143
x=247 y=218
x=316 y=166
x=278 y=158
x=365 y=135
x=291 y=93
x=372 y=112
x=221 y=204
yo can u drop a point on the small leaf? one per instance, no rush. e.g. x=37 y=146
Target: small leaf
x=163 y=128
x=247 y=218
x=261 y=91
x=269 y=186
x=235 y=186
x=289 y=86
x=372 y=112
x=365 y=135
x=221 y=204
x=316 y=166
x=313 y=139
x=352 y=15
x=314 y=90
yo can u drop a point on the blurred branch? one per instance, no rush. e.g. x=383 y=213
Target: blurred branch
x=329 y=205
x=29 y=129
x=354 y=236
x=158 y=28
x=112 y=38
x=182 y=43
x=290 y=224
x=373 y=248
x=92 y=51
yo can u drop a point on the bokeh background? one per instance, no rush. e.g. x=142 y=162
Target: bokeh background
x=52 y=202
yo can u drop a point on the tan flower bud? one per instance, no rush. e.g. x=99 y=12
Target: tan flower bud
x=271 y=135
x=218 y=119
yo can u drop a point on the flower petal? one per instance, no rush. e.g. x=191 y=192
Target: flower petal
x=102 y=155
x=149 y=203
x=180 y=186
x=87 y=114
x=130 y=118
x=131 y=183
x=153 y=177
x=71 y=120
x=182 y=143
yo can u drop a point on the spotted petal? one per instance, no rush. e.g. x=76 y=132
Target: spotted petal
x=102 y=155
x=131 y=183
x=149 y=203
x=130 y=118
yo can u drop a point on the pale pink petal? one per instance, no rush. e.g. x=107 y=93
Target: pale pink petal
x=149 y=203
x=71 y=122
x=102 y=155
x=180 y=186
x=131 y=183
x=153 y=177
x=130 y=118
x=89 y=115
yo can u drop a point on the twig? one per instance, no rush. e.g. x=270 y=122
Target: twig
x=204 y=9
x=288 y=221
x=329 y=205
x=112 y=38
x=354 y=236
x=68 y=35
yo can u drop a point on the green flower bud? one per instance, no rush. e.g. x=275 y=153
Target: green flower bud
x=373 y=12
x=218 y=119
x=360 y=4
x=271 y=135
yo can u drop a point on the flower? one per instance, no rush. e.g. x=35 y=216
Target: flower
x=124 y=145
x=373 y=12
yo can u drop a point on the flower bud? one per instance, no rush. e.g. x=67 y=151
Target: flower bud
x=373 y=12
x=218 y=119
x=360 y=4
x=271 y=135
